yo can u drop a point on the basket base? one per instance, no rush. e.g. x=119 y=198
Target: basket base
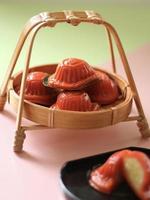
x=143 y=128
x=19 y=140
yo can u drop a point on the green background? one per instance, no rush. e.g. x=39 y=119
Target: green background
x=87 y=41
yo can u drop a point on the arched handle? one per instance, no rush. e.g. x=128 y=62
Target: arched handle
x=50 y=19
x=33 y=22
x=126 y=68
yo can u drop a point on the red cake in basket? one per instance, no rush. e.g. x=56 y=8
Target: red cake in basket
x=72 y=74
x=104 y=91
x=36 y=92
x=75 y=101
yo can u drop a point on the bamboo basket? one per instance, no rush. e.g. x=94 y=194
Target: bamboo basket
x=107 y=115
x=50 y=118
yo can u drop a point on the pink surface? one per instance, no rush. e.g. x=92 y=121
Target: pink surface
x=34 y=174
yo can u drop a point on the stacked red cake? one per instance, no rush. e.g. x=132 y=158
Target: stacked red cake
x=82 y=88
x=77 y=85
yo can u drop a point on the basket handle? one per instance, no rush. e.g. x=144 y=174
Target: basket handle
x=75 y=18
x=126 y=67
x=33 y=22
x=50 y=20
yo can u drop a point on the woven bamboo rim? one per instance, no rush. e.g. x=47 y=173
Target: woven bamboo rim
x=108 y=115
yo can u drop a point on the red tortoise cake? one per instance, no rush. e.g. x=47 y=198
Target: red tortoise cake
x=131 y=166
x=36 y=92
x=72 y=74
x=75 y=101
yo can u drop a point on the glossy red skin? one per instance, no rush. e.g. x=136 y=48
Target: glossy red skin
x=34 y=84
x=107 y=177
x=143 y=159
x=75 y=101
x=72 y=74
x=105 y=91
x=45 y=100
x=36 y=92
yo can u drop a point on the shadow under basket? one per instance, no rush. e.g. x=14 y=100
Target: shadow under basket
x=53 y=118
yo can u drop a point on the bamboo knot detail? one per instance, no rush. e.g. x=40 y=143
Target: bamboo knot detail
x=50 y=21
x=143 y=127
x=19 y=139
x=96 y=18
x=71 y=18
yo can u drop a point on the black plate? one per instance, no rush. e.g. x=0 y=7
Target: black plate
x=74 y=179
